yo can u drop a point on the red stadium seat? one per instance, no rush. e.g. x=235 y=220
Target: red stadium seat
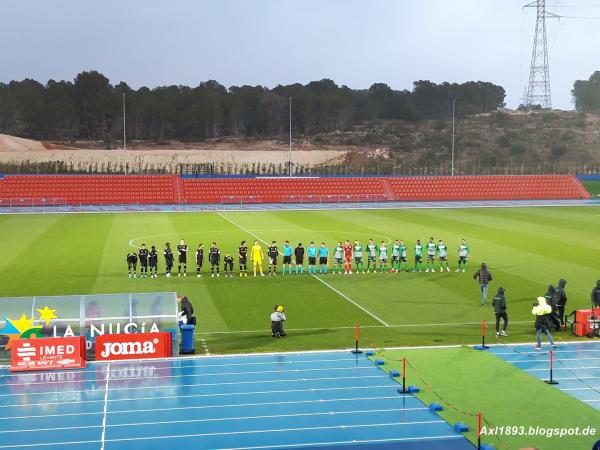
x=171 y=189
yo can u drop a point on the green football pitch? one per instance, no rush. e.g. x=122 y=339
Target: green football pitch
x=525 y=248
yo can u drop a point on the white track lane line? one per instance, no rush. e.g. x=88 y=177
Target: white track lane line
x=175 y=368
x=194 y=385
x=529 y=361
x=278 y=430
x=344 y=296
x=225 y=394
x=105 y=408
x=212 y=419
x=229 y=405
x=162 y=377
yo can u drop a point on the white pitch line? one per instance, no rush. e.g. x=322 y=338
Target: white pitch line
x=105 y=408
x=400 y=325
x=344 y=296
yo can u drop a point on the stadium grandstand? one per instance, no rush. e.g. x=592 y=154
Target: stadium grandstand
x=53 y=190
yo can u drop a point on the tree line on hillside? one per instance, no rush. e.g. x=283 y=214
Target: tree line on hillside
x=91 y=108
x=586 y=93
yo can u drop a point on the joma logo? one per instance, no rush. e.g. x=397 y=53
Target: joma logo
x=129 y=348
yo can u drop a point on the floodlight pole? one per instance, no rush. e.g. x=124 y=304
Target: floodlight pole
x=290 y=151
x=453 y=108
x=124 y=139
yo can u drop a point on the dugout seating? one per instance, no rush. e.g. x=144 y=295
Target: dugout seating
x=93 y=189
x=172 y=189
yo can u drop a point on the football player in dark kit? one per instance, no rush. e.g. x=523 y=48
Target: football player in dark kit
x=199 y=259
x=143 y=253
x=153 y=262
x=228 y=265
x=299 y=254
x=132 y=264
x=168 y=259
x=214 y=257
x=182 y=254
x=243 y=258
x=273 y=253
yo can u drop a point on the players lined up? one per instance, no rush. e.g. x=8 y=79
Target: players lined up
x=318 y=258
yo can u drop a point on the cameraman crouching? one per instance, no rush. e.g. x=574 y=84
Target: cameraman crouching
x=277 y=319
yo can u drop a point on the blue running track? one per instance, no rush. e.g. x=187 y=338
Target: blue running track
x=329 y=400
x=576 y=367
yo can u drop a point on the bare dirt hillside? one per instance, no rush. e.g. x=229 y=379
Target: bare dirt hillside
x=15 y=144
x=234 y=153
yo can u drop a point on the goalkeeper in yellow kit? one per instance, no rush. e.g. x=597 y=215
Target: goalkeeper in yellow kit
x=257 y=257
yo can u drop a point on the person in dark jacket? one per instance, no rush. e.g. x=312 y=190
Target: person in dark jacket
x=499 y=304
x=187 y=310
x=561 y=301
x=484 y=276
x=551 y=298
x=596 y=295
x=542 y=312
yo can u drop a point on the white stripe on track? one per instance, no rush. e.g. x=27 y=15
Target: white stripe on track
x=548 y=360
x=545 y=369
x=105 y=408
x=175 y=386
x=230 y=405
x=202 y=358
x=353 y=442
x=225 y=394
x=365 y=441
x=277 y=430
x=344 y=296
x=211 y=419
x=296 y=371
x=537 y=352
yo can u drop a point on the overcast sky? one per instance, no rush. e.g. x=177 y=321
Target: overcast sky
x=270 y=42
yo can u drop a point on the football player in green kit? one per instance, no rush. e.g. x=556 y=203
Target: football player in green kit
x=395 y=256
x=463 y=255
x=418 y=256
x=431 y=251
x=358 y=257
x=383 y=257
x=443 y=255
x=338 y=258
x=371 y=255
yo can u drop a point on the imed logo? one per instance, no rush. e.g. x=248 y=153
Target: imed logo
x=129 y=348
x=26 y=351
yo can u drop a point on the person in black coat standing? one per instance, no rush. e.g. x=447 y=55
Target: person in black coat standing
x=561 y=301
x=499 y=304
x=596 y=295
x=187 y=310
